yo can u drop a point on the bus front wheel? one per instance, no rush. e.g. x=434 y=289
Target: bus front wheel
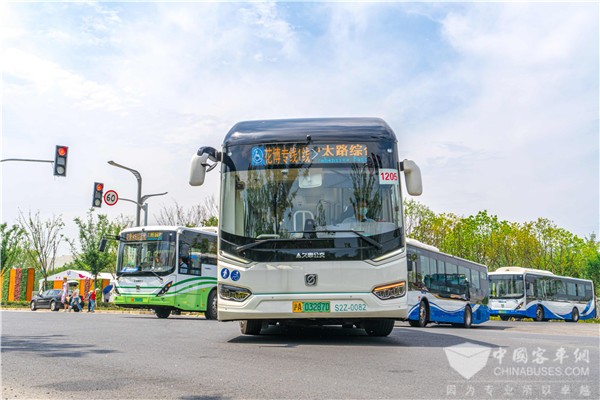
x=539 y=314
x=379 y=327
x=162 y=312
x=575 y=315
x=251 y=326
x=211 y=307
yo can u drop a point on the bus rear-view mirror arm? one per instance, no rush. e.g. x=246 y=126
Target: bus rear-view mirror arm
x=199 y=165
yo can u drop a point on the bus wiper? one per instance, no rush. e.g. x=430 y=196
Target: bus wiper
x=367 y=239
x=254 y=244
x=357 y=233
x=137 y=271
x=155 y=274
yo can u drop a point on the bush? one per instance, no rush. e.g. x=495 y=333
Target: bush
x=15 y=304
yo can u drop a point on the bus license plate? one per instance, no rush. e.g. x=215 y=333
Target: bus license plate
x=502 y=311
x=310 y=306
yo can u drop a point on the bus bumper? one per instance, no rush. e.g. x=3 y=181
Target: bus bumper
x=340 y=306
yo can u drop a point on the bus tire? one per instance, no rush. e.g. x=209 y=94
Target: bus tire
x=162 y=312
x=211 y=306
x=504 y=317
x=575 y=315
x=251 y=326
x=379 y=327
x=423 y=316
x=539 y=314
x=468 y=317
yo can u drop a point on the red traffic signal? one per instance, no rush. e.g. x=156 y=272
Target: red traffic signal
x=97 y=199
x=60 y=160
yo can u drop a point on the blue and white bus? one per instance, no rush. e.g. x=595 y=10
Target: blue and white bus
x=445 y=289
x=311 y=230
x=530 y=293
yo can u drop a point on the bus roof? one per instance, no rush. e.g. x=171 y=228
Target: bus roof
x=321 y=130
x=520 y=270
x=169 y=228
x=425 y=246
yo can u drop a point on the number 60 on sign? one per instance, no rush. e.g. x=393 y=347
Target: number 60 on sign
x=111 y=197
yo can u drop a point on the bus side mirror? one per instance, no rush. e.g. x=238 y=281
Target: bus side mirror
x=184 y=252
x=199 y=164
x=411 y=258
x=412 y=175
x=102 y=246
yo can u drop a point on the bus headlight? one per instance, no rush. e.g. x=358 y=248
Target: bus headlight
x=165 y=289
x=235 y=293
x=391 y=291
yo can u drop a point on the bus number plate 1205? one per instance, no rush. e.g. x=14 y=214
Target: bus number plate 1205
x=310 y=306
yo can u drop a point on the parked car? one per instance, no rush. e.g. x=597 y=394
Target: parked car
x=50 y=299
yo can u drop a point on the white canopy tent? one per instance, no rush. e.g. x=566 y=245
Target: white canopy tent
x=75 y=276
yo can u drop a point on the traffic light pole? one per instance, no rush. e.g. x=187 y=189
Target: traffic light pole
x=26 y=159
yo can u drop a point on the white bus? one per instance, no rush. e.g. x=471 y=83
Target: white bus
x=445 y=289
x=167 y=269
x=311 y=227
x=530 y=293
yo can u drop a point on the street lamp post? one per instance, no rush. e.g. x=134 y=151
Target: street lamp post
x=140 y=202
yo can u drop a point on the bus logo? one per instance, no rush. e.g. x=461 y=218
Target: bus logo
x=310 y=279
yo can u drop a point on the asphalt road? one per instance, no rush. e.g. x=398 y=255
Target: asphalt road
x=127 y=356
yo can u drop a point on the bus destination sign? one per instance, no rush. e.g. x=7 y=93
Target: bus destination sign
x=284 y=154
x=141 y=236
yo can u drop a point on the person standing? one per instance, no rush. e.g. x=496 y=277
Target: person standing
x=75 y=300
x=91 y=301
x=65 y=294
x=106 y=293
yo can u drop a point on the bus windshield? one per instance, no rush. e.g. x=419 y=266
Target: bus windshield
x=506 y=286
x=146 y=253
x=346 y=212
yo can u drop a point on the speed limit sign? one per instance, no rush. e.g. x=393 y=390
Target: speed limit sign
x=111 y=197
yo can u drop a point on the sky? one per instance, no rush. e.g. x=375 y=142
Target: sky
x=498 y=102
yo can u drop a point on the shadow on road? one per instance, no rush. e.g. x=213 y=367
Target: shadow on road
x=276 y=336
x=46 y=346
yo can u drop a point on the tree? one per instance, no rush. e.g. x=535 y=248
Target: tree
x=43 y=241
x=205 y=214
x=486 y=239
x=11 y=250
x=91 y=231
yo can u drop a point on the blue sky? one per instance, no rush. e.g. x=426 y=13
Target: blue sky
x=497 y=102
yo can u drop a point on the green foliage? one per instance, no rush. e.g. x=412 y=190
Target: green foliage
x=486 y=239
x=91 y=231
x=592 y=269
x=11 y=246
x=211 y=221
x=5 y=283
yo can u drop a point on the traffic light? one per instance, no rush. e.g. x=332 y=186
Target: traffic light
x=60 y=160
x=98 y=189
